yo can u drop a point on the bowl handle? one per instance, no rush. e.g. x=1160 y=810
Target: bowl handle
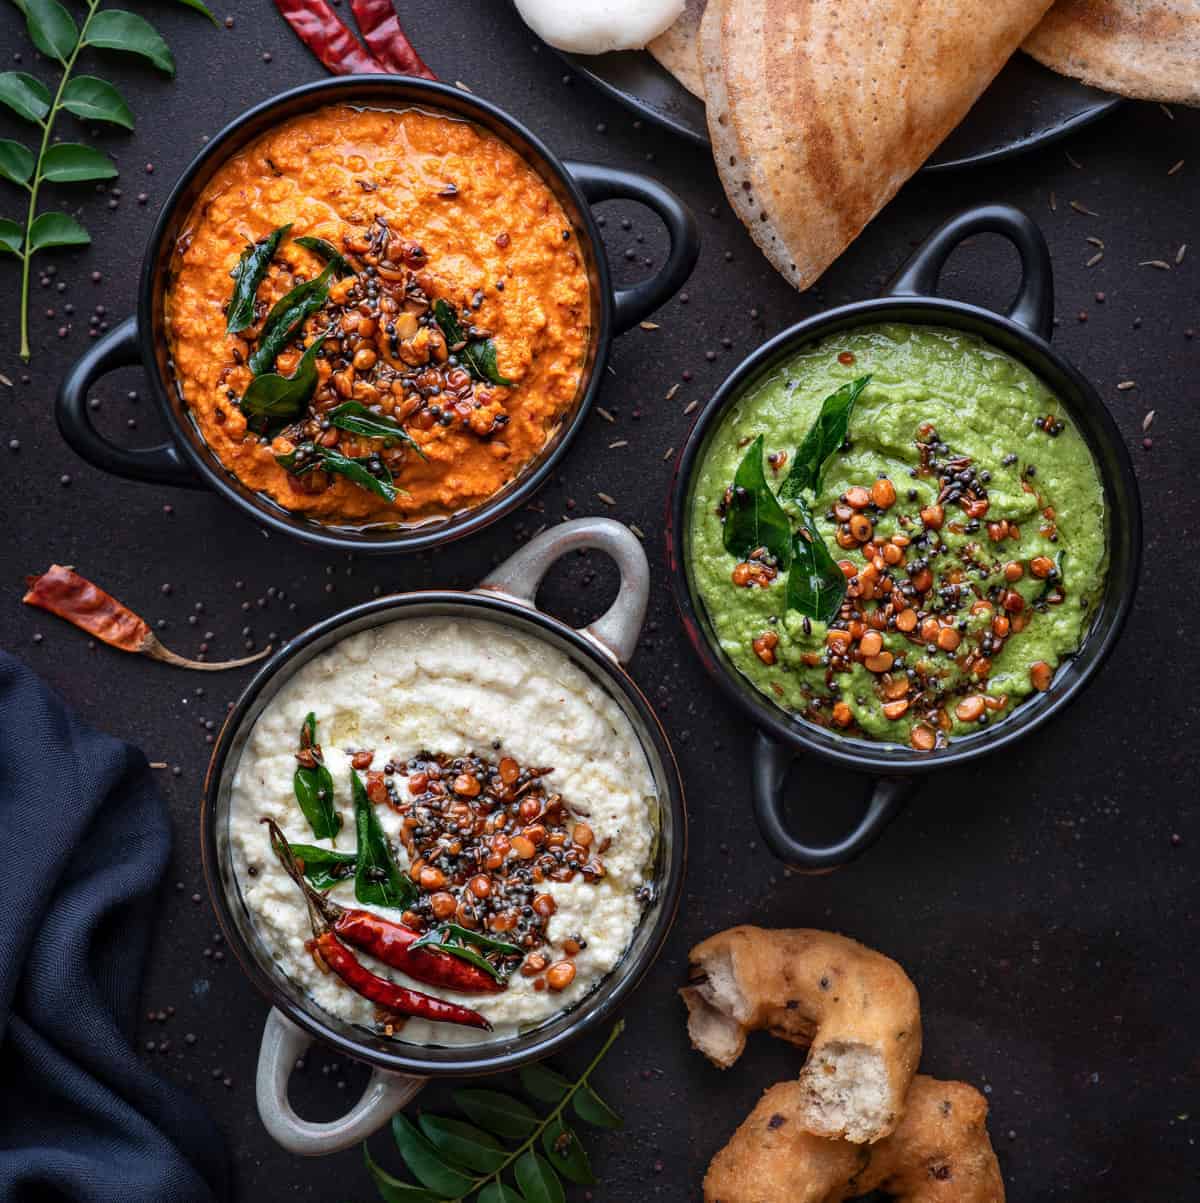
x=631 y=305
x=161 y=464
x=282 y=1043
x=617 y=629
x=1033 y=306
x=769 y=767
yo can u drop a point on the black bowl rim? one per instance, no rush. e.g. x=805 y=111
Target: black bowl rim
x=593 y=1010
x=866 y=755
x=441 y=531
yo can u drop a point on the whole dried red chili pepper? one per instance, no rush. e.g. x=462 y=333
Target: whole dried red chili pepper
x=387 y=41
x=65 y=593
x=387 y=994
x=316 y=24
x=388 y=941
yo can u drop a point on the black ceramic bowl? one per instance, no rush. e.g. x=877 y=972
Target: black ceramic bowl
x=186 y=459
x=1024 y=333
x=505 y=597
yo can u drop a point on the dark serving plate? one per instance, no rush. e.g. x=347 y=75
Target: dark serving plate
x=1026 y=106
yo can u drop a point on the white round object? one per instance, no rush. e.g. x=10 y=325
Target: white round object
x=598 y=26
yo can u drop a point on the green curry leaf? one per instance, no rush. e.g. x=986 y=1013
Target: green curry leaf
x=287 y=315
x=815 y=584
x=52 y=29
x=479 y=356
x=754 y=518
x=248 y=275
x=824 y=437
x=115 y=29
x=314 y=786
x=26 y=95
x=16 y=162
x=566 y=1154
x=272 y=398
x=326 y=251
x=12 y=236
x=376 y=877
x=95 y=99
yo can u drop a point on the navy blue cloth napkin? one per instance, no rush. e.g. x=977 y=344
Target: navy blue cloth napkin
x=84 y=841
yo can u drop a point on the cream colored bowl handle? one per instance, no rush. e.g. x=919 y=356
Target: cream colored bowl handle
x=617 y=629
x=282 y=1043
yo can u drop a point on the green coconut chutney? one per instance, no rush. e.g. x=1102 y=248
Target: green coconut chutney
x=975 y=604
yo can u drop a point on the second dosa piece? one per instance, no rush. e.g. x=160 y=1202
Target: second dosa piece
x=819 y=112
x=1144 y=48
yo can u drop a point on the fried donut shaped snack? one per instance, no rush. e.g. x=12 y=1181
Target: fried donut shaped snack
x=854 y=1009
x=940 y=1153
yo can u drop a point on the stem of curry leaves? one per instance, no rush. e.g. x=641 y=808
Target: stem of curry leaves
x=536 y=1135
x=79 y=235
x=27 y=251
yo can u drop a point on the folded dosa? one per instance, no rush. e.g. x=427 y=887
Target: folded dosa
x=1144 y=48
x=819 y=112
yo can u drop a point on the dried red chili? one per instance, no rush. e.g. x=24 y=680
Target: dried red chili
x=316 y=24
x=387 y=41
x=387 y=994
x=390 y=942
x=63 y=592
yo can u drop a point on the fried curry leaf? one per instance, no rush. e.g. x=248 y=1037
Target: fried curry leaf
x=458 y=941
x=272 y=398
x=314 y=786
x=367 y=471
x=754 y=517
x=287 y=315
x=478 y=356
x=324 y=867
x=247 y=276
x=815 y=584
x=376 y=878
x=824 y=437
x=355 y=417
x=325 y=250
x=1054 y=582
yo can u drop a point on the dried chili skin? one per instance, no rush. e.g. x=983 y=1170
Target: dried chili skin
x=87 y=606
x=66 y=594
x=388 y=995
x=387 y=41
x=390 y=943
x=316 y=24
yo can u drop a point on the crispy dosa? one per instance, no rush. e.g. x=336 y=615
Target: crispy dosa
x=1149 y=49
x=819 y=112
x=677 y=48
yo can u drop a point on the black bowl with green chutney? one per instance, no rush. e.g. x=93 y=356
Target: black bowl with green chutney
x=940 y=461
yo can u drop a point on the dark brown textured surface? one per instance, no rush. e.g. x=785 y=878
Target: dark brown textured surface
x=1039 y=901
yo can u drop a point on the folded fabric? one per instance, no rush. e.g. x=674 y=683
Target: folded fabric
x=84 y=842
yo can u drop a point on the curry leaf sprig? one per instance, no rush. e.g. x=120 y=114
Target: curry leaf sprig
x=55 y=34
x=755 y=520
x=453 y=1160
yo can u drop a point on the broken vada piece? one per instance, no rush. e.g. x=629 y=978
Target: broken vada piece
x=940 y=1153
x=855 y=1010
